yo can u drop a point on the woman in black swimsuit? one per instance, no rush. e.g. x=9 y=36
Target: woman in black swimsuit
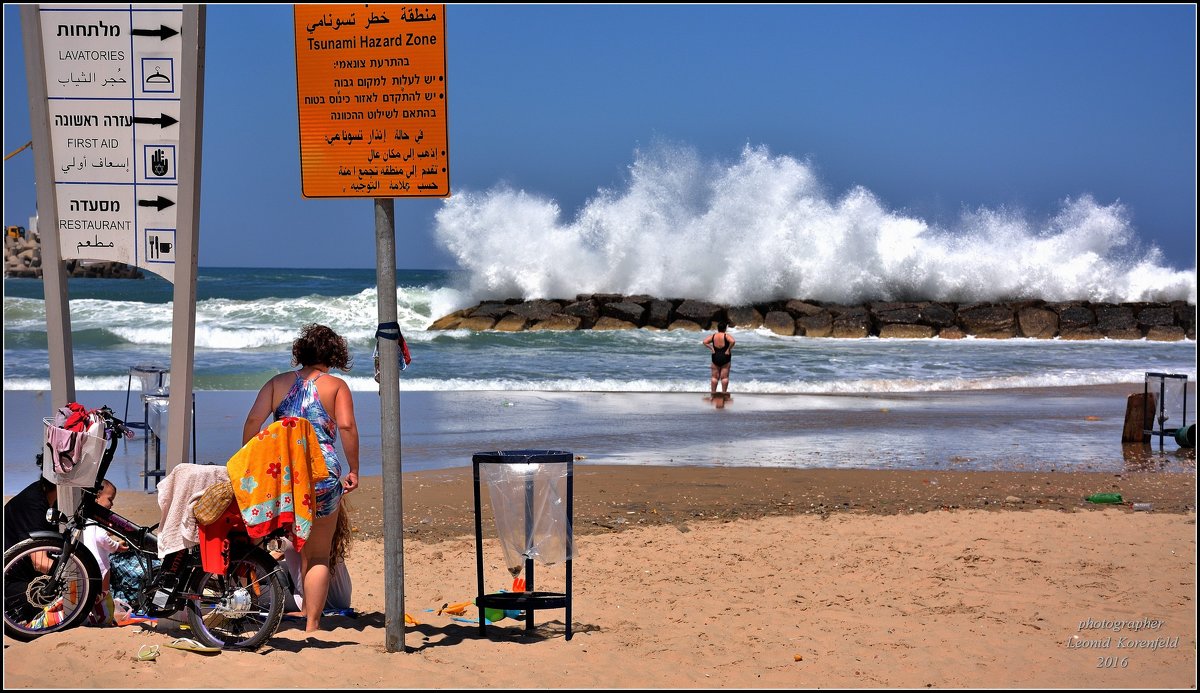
x=721 y=346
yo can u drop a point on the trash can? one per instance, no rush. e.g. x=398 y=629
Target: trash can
x=1165 y=400
x=531 y=498
x=154 y=380
x=158 y=418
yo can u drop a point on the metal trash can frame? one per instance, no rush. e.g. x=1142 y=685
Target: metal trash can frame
x=530 y=600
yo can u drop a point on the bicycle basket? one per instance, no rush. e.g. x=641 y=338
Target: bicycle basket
x=71 y=459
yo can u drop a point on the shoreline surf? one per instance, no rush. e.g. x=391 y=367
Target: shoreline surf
x=1024 y=429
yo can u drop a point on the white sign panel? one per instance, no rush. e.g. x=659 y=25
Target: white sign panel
x=113 y=87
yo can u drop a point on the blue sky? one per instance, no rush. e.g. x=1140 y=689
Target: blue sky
x=934 y=109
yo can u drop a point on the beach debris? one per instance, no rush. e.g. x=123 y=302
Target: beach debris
x=797 y=658
x=1012 y=499
x=1104 y=498
x=1141 y=507
x=457 y=609
x=136 y=619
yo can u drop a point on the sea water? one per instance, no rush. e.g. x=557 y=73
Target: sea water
x=799 y=401
x=246 y=320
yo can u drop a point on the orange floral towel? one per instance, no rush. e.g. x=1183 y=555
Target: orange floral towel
x=273 y=478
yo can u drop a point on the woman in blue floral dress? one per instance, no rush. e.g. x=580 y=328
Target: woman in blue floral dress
x=325 y=400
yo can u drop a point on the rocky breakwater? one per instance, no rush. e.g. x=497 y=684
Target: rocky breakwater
x=1164 y=321
x=23 y=258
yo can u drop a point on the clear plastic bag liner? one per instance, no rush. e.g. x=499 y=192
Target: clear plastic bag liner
x=529 y=504
x=158 y=415
x=155 y=380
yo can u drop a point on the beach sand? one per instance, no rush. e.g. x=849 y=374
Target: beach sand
x=691 y=577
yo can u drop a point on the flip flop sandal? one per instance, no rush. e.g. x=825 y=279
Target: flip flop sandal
x=147 y=653
x=191 y=646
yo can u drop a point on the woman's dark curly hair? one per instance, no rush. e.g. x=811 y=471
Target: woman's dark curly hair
x=319 y=344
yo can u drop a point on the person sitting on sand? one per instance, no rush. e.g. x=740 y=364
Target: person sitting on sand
x=25 y=513
x=721 y=346
x=103 y=546
x=98 y=540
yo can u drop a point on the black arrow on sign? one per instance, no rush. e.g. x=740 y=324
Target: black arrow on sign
x=163 y=121
x=161 y=203
x=164 y=32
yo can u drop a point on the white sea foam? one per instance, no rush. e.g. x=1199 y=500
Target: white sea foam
x=794 y=386
x=754 y=386
x=763 y=228
x=241 y=323
x=82 y=383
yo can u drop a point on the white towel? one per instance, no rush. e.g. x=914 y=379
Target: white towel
x=177 y=494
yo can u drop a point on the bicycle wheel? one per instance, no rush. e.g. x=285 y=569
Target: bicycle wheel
x=34 y=602
x=241 y=608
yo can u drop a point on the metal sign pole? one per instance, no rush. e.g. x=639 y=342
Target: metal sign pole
x=389 y=428
x=348 y=68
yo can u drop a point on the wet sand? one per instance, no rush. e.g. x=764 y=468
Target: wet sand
x=1042 y=429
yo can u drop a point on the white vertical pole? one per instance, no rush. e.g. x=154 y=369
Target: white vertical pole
x=183 y=320
x=54 y=273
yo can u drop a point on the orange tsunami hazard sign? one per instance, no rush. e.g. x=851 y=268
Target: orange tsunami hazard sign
x=371 y=91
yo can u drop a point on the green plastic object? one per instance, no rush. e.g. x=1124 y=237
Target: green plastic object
x=1186 y=437
x=1105 y=498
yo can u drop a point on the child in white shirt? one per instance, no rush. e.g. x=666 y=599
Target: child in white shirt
x=99 y=541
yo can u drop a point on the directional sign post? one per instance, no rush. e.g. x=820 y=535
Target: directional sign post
x=371 y=90
x=115 y=94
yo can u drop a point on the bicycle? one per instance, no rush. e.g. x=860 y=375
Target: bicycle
x=52 y=581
